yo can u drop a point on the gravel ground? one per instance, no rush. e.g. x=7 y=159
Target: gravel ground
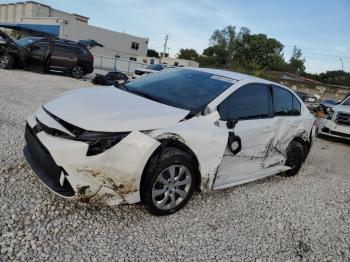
x=304 y=218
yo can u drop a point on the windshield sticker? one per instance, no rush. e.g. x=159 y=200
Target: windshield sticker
x=225 y=79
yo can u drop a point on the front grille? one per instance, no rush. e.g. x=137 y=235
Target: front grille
x=140 y=73
x=43 y=165
x=343 y=118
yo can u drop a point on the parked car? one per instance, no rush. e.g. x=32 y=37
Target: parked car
x=310 y=101
x=44 y=54
x=111 y=78
x=337 y=124
x=148 y=70
x=158 y=138
x=326 y=104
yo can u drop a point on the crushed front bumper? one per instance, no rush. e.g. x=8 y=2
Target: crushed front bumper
x=112 y=177
x=43 y=165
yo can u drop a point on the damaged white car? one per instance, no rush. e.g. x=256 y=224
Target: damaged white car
x=159 y=138
x=337 y=123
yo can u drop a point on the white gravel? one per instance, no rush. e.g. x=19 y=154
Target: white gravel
x=304 y=218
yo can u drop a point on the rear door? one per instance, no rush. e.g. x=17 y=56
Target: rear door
x=287 y=116
x=63 y=57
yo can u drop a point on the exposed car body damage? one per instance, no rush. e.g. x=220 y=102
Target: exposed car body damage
x=226 y=153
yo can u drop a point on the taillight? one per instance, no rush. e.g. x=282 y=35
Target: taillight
x=90 y=58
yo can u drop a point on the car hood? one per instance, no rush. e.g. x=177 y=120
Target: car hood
x=110 y=109
x=341 y=108
x=8 y=40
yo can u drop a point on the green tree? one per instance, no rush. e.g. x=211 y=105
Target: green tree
x=189 y=54
x=296 y=62
x=214 y=56
x=152 y=53
x=243 y=51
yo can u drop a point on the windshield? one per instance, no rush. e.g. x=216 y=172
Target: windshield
x=27 y=41
x=347 y=102
x=182 y=88
x=156 y=67
x=330 y=101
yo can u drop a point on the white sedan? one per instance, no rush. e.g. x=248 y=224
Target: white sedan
x=159 y=138
x=148 y=70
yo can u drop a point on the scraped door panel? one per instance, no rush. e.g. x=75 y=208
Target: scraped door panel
x=255 y=158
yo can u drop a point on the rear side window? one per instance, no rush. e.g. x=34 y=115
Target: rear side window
x=285 y=103
x=248 y=102
x=79 y=51
x=63 y=50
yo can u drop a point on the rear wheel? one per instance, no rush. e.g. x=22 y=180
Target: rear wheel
x=295 y=157
x=6 y=61
x=169 y=182
x=77 y=71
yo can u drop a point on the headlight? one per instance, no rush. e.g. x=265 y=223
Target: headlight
x=330 y=115
x=100 y=142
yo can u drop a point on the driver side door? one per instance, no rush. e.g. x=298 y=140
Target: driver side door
x=247 y=155
x=37 y=55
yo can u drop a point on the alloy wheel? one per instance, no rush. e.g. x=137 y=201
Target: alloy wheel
x=77 y=71
x=4 y=60
x=171 y=187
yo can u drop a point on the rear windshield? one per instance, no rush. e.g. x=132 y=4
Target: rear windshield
x=182 y=88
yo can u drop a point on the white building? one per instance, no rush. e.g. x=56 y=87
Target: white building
x=170 y=61
x=39 y=19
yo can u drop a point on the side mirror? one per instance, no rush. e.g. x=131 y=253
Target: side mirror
x=231 y=123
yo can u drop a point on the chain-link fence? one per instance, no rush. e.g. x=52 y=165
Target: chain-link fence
x=114 y=63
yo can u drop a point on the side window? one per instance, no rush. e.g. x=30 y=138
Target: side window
x=79 y=51
x=248 y=102
x=40 y=48
x=283 y=101
x=296 y=106
x=62 y=50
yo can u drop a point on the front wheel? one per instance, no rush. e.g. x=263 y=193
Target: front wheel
x=169 y=182
x=77 y=71
x=6 y=61
x=295 y=155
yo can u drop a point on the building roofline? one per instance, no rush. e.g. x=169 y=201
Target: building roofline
x=85 y=17
x=33 y=2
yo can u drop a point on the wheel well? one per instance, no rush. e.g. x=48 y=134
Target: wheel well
x=175 y=143
x=305 y=144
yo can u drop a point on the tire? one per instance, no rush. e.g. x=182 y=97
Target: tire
x=6 y=61
x=77 y=71
x=169 y=182
x=295 y=157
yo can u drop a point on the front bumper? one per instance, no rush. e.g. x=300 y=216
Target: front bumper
x=330 y=128
x=112 y=177
x=43 y=165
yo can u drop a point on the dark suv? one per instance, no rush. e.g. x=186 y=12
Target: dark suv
x=46 y=54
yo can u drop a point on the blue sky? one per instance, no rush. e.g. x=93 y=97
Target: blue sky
x=321 y=28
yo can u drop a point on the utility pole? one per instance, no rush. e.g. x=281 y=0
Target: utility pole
x=342 y=64
x=165 y=47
